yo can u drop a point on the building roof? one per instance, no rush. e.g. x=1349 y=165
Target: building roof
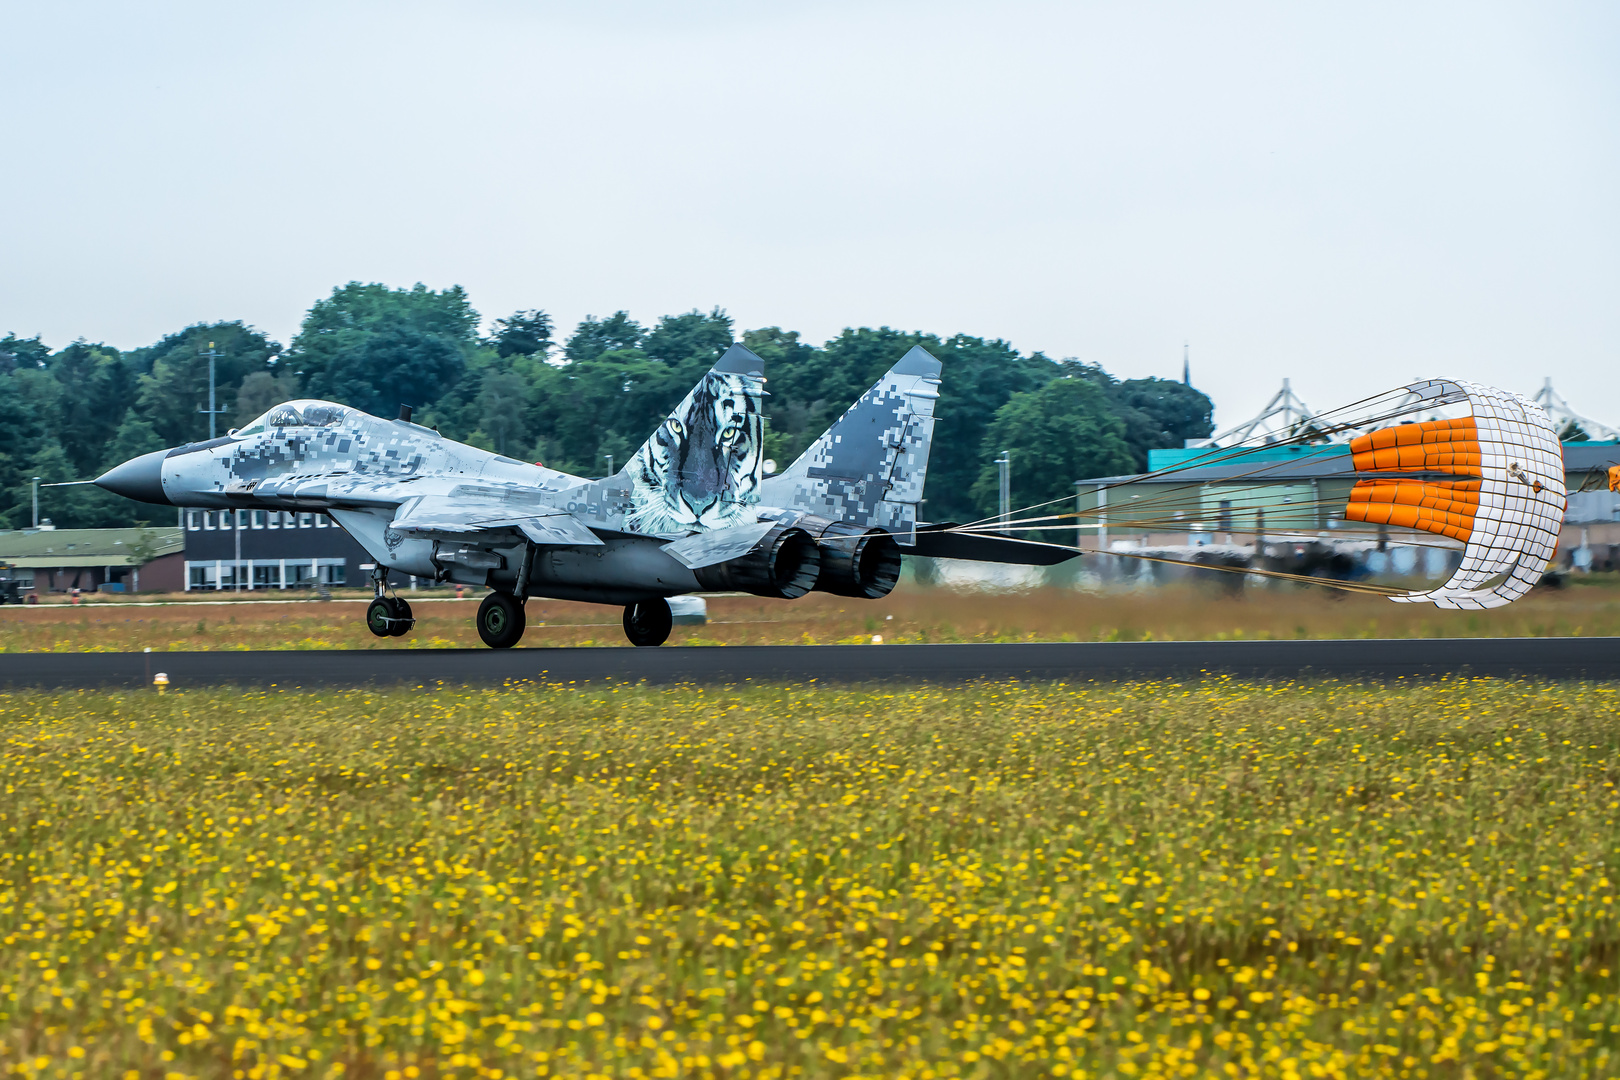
x=1272 y=465
x=40 y=549
x=1585 y=456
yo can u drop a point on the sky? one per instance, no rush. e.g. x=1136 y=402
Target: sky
x=1349 y=196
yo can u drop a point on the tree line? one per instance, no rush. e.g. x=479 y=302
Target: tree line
x=572 y=403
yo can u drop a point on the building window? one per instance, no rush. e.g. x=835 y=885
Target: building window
x=208 y=520
x=306 y=521
x=193 y=520
x=257 y=518
x=266 y=575
x=321 y=521
x=334 y=574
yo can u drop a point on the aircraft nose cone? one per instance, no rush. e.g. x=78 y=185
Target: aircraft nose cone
x=139 y=478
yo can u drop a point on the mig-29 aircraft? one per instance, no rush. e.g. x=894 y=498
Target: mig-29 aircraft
x=692 y=510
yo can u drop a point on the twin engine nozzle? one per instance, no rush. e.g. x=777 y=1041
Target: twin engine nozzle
x=811 y=554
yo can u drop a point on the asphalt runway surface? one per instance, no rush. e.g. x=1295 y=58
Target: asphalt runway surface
x=1548 y=658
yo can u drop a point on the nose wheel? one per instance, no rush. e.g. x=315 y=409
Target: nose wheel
x=648 y=622
x=389 y=616
x=501 y=621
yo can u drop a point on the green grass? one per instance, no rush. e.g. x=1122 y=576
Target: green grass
x=1213 y=878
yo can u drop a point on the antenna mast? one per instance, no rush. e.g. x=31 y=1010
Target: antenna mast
x=212 y=412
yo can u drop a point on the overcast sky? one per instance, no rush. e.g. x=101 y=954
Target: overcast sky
x=1351 y=195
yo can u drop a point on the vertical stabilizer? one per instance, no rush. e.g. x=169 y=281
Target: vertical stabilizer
x=702 y=468
x=868 y=469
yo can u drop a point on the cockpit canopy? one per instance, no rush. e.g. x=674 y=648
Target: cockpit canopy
x=306 y=413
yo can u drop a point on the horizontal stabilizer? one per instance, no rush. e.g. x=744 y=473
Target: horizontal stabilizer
x=939 y=542
x=718 y=545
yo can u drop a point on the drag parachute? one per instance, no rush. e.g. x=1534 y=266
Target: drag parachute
x=1449 y=464
x=1493 y=480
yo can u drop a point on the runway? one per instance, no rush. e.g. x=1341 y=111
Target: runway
x=1550 y=658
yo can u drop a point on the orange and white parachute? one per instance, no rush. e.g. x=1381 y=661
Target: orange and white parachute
x=1473 y=467
x=1493 y=479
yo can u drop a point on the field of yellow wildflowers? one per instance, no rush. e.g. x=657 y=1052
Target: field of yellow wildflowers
x=1143 y=880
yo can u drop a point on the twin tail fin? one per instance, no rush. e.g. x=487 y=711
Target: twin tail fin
x=868 y=469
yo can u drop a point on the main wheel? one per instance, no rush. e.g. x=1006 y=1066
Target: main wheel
x=500 y=620
x=648 y=622
x=380 y=616
x=404 y=621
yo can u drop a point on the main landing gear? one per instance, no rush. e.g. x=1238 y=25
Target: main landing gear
x=387 y=616
x=501 y=621
x=647 y=622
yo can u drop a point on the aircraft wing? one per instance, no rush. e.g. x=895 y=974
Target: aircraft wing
x=454 y=519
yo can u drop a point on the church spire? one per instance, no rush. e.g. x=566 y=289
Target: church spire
x=1186 y=365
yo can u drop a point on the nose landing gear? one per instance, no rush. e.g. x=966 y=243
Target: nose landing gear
x=387 y=616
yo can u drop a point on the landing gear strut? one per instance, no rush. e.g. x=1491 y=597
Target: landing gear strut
x=501 y=621
x=387 y=616
x=647 y=622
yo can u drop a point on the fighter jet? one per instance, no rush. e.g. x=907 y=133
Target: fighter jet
x=691 y=511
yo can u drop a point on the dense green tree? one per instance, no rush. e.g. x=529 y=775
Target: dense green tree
x=584 y=409
x=613 y=389
x=1066 y=430
x=30 y=396
x=502 y=410
x=134 y=437
x=788 y=418
x=16 y=352
x=66 y=507
x=375 y=348
x=523 y=333
x=689 y=343
x=99 y=509
x=810 y=387
x=94 y=388
x=594 y=336
x=174 y=388
x=259 y=392
x=979 y=378
x=1161 y=413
